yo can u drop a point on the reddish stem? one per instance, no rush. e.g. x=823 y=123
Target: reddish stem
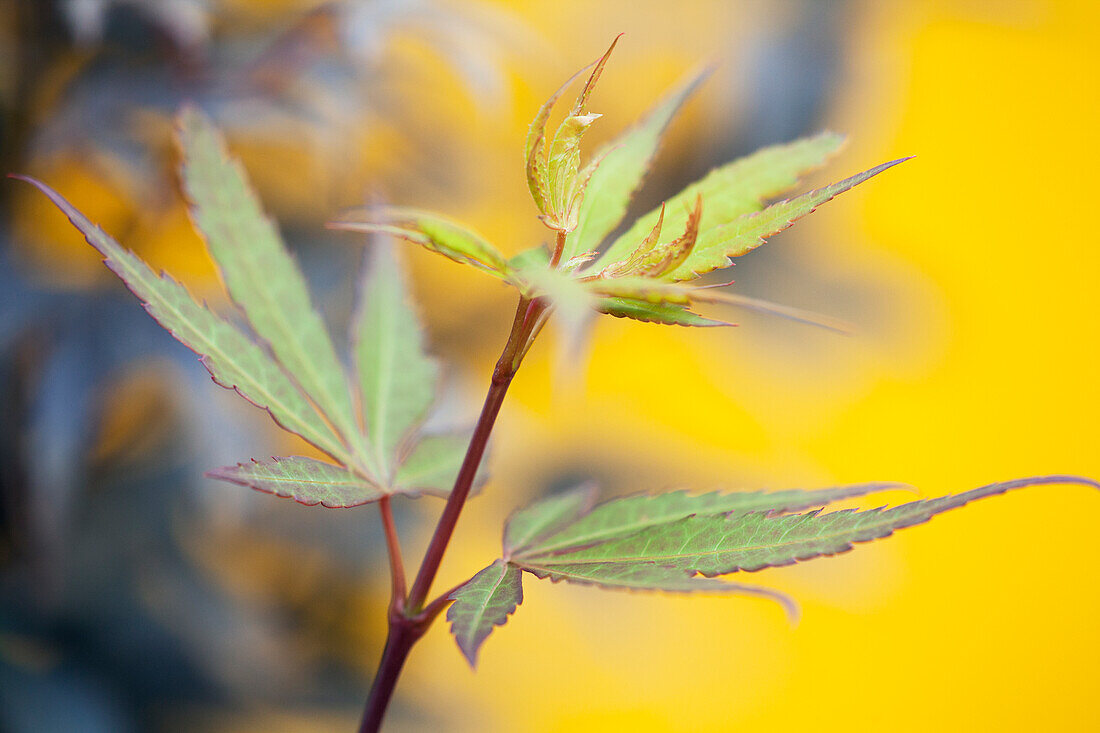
x=408 y=619
x=505 y=369
x=397 y=565
x=404 y=632
x=559 y=247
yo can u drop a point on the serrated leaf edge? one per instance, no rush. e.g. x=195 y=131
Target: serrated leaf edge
x=471 y=652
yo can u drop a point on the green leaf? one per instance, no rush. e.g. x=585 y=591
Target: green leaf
x=397 y=379
x=544 y=538
x=716 y=544
x=532 y=258
x=630 y=265
x=625 y=162
x=259 y=272
x=631 y=514
x=534 y=149
x=799 y=315
x=663 y=313
x=232 y=358
x=563 y=167
x=716 y=246
x=527 y=526
x=432 y=465
x=489 y=597
x=733 y=190
x=665 y=258
x=642 y=289
x=581 y=105
x=531 y=532
x=653 y=261
x=648 y=577
x=305 y=480
x=482 y=603
x=431 y=231
x=648 y=292
x=552 y=174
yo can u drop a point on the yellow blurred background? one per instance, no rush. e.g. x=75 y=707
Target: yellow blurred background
x=970 y=273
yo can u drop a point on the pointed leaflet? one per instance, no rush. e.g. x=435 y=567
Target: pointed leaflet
x=715 y=544
x=490 y=597
x=258 y=270
x=536 y=142
x=631 y=514
x=716 y=246
x=430 y=469
x=581 y=104
x=680 y=248
x=231 y=357
x=432 y=465
x=552 y=173
x=652 y=292
x=487 y=599
x=798 y=315
x=665 y=258
x=397 y=380
x=642 y=289
x=527 y=525
x=529 y=530
x=482 y=603
x=630 y=264
x=735 y=189
x=431 y=231
x=563 y=169
x=305 y=480
x=663 y=313
x=626 y=160
x=649 y=577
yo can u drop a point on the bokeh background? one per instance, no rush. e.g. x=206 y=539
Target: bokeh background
x=136 y=595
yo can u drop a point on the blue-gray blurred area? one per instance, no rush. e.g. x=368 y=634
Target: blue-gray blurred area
x=135 y=594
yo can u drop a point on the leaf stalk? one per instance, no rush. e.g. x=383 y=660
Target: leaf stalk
x=559 y=247
x=393 y=547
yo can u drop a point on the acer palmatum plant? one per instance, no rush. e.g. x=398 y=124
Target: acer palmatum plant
x=371 y=430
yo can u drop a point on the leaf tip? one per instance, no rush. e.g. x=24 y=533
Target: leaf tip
x=190 y=122
x=892 y=163
x=31 y=180
x=793 y=611
x=188 y=113
x=790 y=606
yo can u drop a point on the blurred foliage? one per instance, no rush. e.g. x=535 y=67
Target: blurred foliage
x=115 y=553
x=136 y=596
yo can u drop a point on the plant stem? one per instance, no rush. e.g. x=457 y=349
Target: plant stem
x=434 y=554
x=507 y=364
x=559 y=247
x=408 y=619
x=403 y=633
x=393 y=545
